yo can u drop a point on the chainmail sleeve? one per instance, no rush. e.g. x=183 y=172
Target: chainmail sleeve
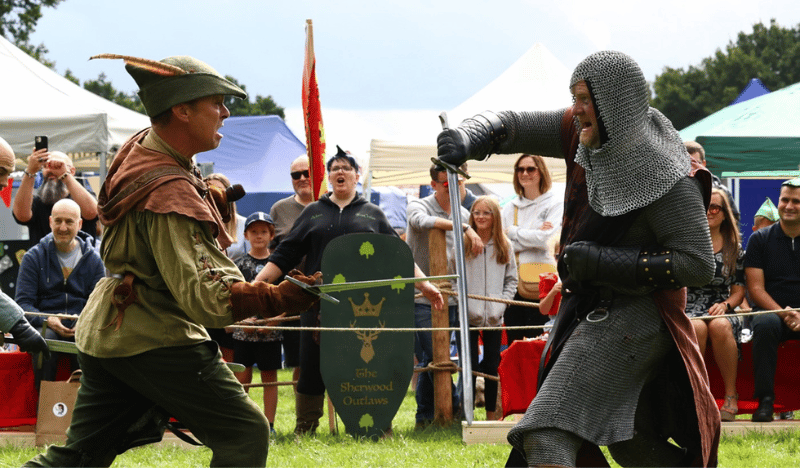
x=680 y=224
x=533 y=132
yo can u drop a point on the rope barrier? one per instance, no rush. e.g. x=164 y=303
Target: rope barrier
x=493 y=299
x=452 y=368
x=263 y=323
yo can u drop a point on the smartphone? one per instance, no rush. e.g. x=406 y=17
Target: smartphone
x=40 y=142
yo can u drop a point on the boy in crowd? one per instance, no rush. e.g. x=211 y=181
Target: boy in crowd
x=262 y=346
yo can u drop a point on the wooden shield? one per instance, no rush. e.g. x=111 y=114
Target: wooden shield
x=367 y=372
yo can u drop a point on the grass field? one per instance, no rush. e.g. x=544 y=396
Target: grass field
x=433 y=447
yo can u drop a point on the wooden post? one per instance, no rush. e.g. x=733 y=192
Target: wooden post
x=440 y=318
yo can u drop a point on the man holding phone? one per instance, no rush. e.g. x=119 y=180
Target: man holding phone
x=33 y=209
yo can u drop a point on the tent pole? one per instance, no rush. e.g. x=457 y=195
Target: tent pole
x=367 y=185
x=103 y=169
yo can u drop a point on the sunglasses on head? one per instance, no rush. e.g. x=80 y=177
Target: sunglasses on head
x=297 y=174
x=713 y=208
x=529 y=169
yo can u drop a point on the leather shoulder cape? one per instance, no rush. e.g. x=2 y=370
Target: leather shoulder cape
x=143 y=179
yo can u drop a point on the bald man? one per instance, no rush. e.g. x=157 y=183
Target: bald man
x=33 y=209
x=12 y=319
x=57 y=275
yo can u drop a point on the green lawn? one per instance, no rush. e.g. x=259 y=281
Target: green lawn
x=441 y=448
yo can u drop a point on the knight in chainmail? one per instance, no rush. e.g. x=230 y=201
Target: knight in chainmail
x=623 y=369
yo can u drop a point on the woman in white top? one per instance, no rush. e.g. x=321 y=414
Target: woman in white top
x=531 y=219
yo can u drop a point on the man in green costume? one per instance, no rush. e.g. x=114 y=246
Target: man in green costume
x=142 y=344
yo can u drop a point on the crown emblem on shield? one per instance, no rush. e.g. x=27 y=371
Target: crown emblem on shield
x=367 y=309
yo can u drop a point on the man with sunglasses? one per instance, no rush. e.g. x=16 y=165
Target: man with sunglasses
x=772 y=270
x=284 y=212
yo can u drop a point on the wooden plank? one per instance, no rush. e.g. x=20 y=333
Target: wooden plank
x=486 y=432
x=495 y=432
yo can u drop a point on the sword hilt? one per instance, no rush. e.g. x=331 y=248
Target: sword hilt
x=448 y=166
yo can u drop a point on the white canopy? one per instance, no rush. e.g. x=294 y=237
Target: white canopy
x=39 y=101
x=536 y=81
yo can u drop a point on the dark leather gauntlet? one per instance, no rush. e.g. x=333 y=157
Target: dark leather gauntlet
x=474 y=138
x=626 y=266
x=28 y=339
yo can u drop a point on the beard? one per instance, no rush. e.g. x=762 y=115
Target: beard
x=52 y=190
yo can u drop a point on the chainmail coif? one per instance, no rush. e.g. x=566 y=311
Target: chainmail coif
x=642 y=144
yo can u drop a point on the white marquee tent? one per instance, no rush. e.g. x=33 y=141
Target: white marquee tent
x=39 y=101
x=536 y=81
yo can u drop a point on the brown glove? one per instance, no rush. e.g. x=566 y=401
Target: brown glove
x=268 y=300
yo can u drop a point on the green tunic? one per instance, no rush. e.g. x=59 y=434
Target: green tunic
x=182 y=284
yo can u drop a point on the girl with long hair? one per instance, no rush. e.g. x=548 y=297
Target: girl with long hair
x=491 y=273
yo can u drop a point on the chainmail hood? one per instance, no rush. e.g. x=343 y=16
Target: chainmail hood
x=642 y=144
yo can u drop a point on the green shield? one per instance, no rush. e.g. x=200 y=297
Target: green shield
x=367 y=372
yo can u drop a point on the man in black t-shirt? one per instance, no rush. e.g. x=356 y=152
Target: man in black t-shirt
x=772 y=268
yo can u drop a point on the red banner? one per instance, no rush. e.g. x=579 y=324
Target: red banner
x=312 y=116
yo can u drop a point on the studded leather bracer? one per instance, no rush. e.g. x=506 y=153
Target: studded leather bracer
x=625 y=266
x=474 y=138
x=655 y=268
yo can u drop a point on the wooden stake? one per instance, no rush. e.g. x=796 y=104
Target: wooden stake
x=442 y=381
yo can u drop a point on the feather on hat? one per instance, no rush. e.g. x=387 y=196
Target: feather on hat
x=174 y=80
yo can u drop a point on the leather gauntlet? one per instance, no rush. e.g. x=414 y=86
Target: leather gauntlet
x=626 y=266
x=268 y=300
x=28 y=339
x=474 y=138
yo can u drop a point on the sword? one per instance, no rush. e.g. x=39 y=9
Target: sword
x=321 y=289
x=458 y=254
x=70 y=348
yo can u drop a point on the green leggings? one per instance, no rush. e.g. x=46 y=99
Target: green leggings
x=121 y=400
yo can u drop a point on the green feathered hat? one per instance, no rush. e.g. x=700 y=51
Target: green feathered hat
x=173 y=80
x=768 y=210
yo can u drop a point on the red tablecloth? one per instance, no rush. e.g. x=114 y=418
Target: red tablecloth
x=519 y=367
x=18 y=398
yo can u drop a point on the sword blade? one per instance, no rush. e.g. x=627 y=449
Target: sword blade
x=336 y=287
x=321 y=289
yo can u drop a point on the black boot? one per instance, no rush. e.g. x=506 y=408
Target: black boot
x=765 y=409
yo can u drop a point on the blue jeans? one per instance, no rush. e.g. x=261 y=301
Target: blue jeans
x=424 y=351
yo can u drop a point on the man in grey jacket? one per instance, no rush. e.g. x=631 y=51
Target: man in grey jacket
x=425 y=214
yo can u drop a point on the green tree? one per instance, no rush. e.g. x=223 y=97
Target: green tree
x=103 y=88
x=18 y=20
x=261 y=106
x=770 y=53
